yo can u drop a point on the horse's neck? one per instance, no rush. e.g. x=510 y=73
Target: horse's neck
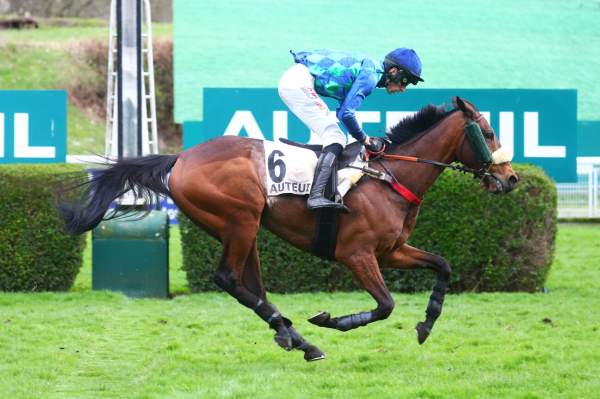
x=438 y=145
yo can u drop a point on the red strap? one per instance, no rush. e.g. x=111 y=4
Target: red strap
x=406 y=193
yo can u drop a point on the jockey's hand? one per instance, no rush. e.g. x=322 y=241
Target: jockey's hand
x=374 y=144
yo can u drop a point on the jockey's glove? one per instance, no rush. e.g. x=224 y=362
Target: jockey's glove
x=374 y=144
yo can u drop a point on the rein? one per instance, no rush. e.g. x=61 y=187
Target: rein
x=477 y=173
x=487 y=159
x=405 y=192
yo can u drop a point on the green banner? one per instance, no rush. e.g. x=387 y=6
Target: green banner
x=537 y=126
x=588 y=138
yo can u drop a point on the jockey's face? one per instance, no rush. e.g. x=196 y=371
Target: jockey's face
x=392 y=87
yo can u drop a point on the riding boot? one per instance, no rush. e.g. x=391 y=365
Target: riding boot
x=316 y=199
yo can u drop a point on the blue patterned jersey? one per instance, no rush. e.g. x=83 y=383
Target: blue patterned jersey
x=347 y=77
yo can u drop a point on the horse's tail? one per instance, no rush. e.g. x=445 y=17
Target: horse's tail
x=144 y=176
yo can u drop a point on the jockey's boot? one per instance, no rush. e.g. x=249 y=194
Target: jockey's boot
x=325 y=166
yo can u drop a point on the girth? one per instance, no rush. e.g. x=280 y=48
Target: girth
x=325 y=238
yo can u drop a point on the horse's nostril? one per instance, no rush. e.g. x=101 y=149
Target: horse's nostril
x=512 y=181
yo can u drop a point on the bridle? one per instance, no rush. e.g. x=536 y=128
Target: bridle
x=486 y=160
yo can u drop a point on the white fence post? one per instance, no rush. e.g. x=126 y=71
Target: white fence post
x=581 y=199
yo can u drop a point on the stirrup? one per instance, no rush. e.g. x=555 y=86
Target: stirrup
x=320 y=202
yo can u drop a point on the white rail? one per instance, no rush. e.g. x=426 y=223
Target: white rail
x=149 y=119
x=581 y=199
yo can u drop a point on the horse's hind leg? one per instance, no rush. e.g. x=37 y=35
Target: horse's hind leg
x=224 y=194
x=366 y=271
x=407 y=257
x=253 y=282
x=236 y=249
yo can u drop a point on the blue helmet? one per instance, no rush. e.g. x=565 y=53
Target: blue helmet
x=405 y=59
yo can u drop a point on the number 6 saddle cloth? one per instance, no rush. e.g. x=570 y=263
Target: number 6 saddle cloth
x=290 y=168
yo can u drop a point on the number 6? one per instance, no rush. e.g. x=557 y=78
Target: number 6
x=276 y=177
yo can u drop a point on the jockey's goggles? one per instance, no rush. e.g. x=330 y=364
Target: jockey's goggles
x=402 y=77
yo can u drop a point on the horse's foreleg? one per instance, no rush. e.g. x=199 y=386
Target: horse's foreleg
x=366 y=272
x=253 y=282
x=407 y=257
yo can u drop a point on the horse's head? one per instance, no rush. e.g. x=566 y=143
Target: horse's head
x=480 y=149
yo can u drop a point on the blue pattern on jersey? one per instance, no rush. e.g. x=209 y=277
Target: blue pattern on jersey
x=347 y=77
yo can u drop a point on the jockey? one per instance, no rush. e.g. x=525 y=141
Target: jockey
x=349 y=78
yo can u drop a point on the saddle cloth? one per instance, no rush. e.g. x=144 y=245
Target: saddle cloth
x=290 y=170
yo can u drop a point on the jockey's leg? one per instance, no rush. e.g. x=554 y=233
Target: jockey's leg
x=296 y=89
x=326 y=167
x=366 y=271
x=407 y=257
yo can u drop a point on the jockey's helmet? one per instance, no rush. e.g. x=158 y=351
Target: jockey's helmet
x=408 y=63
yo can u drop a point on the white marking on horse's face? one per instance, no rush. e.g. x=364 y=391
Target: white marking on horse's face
x=501 y=156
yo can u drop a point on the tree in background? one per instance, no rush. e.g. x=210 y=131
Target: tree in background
x=161 y=9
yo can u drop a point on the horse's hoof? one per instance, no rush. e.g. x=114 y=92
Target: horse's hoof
x=313 y=353
x=284 y=340
x=320 y=319
x=422 y=332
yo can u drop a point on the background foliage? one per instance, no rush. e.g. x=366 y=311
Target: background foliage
x=35 y=253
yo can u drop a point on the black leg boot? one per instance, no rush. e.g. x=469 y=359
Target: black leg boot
x=316 y=199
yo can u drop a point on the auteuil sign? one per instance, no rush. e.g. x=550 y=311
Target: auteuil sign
x=33 y=126
x=537 y=126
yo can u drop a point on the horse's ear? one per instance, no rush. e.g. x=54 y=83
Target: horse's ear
x=457 y=102
x=460 y=104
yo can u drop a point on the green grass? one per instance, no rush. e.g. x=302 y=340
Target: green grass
x=87 y=344
x=25 y=67
x=57 y=31
x=85 y=132
x=44 y=59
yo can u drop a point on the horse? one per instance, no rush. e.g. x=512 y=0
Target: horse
x=220 y=186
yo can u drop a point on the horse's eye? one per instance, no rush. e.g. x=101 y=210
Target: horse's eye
x=488 y=134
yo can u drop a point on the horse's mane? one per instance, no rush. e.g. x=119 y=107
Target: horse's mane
x=412 y=125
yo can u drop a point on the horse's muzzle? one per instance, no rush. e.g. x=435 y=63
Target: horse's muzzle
x=496 y=185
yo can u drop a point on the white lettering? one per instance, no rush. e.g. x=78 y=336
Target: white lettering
x=393 y=117
x=244 y=120
x=363 y=117
x=22 y=147
x=487 y=117
x=280 y=125
x=531 y=142
x=507 y=132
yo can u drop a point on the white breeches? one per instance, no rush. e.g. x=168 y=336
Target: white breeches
x=296 y=89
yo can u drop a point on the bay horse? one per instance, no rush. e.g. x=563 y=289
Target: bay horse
x=220 y=186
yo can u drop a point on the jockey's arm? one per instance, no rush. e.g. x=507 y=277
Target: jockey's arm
x=361 y=88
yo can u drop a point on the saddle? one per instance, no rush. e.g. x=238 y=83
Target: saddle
x=324 y=241
x=347 y=156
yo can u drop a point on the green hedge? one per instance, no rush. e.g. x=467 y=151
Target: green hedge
x=493 y=242
x=35 y=253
